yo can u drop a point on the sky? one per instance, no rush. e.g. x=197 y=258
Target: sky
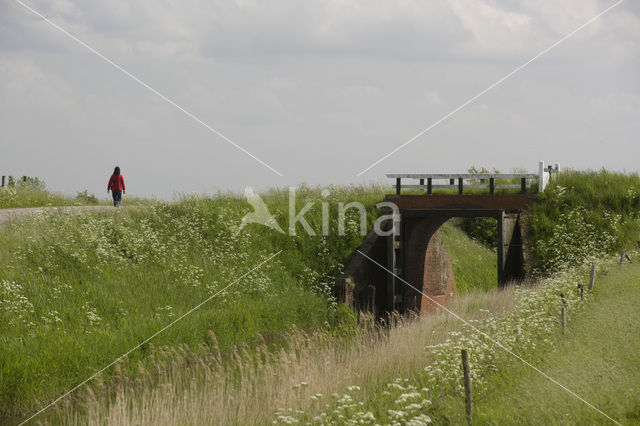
x=318 y=91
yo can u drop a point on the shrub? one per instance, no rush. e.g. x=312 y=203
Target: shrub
x=585 y=213
x=86 y=198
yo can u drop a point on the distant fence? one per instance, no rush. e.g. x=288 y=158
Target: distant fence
x=12 y=181
x=490 y=181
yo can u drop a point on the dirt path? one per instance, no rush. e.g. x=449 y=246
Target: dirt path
x=7 y=215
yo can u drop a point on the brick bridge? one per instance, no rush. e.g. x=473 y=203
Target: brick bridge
x=414 y=250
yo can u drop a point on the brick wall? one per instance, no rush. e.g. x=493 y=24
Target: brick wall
x=426 y=264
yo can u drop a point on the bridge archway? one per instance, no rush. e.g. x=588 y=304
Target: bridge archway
x=426 y=264
x=420 y=257
x=417 y=255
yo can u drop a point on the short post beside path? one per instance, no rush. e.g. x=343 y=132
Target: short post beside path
x=468 y=402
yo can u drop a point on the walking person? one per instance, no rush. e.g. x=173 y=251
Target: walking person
x=116 y=186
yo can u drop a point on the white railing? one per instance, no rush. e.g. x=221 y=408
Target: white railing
x=431 y=181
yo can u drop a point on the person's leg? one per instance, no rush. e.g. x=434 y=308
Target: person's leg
x=113 y=194
x=118 y=198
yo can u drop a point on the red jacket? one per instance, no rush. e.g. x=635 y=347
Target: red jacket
x=116 y=183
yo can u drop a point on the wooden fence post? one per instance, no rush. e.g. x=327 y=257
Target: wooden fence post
x=5 y=176
x=468 y=402
x=592 y=278
x=563 y=318
x=371 y=299
x=581 y=291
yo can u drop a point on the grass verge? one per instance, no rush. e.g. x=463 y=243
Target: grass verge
x=250 y=384
x=597 y=359
x=474 y=263
x=79 y=290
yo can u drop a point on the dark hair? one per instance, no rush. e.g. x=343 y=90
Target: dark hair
x=116 y=171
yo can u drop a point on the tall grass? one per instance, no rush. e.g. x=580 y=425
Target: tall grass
x=409 y=374
x=32 y=193
x=580 y=213
x=248 y=385
x=433 y=392
x=79 y=290
x=474 y=263
x=597 y=359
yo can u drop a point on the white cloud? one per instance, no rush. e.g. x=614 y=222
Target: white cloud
x=22 y=79
x=495 y=31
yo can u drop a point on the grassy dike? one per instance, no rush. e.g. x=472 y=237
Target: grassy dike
x=79 y=290
x=412 y=374
x=474 y=264
x=33 y=193
x=76 y=291
x=585 y=212
x=598 y=359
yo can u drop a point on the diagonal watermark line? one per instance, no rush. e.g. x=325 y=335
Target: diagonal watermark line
x=500 y=345
x=372 y=165
x=152 y=336
x=145 y=85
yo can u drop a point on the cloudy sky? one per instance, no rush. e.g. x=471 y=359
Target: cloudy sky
x=317 y=90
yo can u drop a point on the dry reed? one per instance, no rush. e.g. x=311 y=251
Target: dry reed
x=249 y=385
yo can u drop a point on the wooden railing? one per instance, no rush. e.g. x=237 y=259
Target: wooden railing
x=429 y=182
x=11 y=181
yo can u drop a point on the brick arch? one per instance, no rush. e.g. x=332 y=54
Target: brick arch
x=426 y=264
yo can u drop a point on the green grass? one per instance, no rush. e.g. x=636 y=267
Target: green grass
x=597 y=191
x=79 y=290
x=608 y=204
x=474 y=264
x=597 y=359
x=33 y=193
